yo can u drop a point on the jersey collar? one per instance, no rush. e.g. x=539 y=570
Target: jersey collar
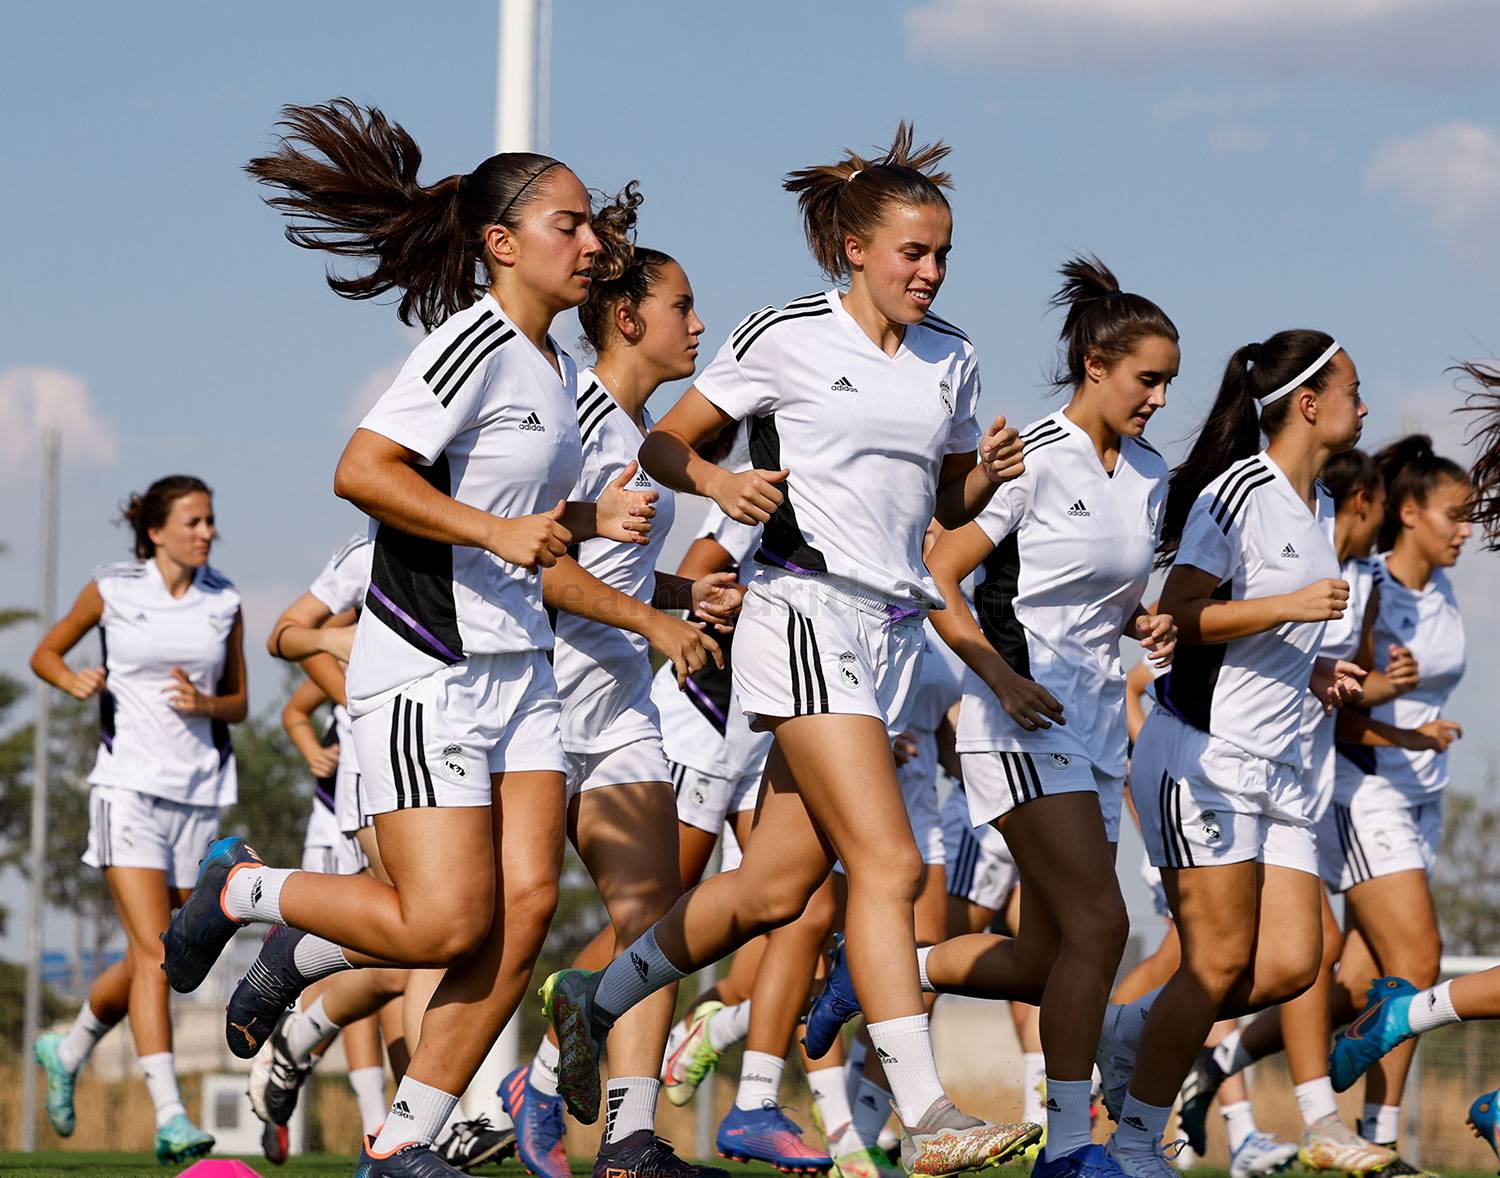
x=847 y=323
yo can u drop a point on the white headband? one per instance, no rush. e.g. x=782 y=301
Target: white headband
x=1297 y=381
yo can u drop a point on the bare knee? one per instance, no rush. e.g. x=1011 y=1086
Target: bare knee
x=530 y=907
x=774 y=902
x=1097 y=932
x=633 y=912
x=451 y=936
x=1219 y=966
x=895 y=875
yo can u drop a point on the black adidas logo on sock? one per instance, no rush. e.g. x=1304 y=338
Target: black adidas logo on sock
x=255 y=893
x=640 y=964
x=401 y=1109
x=842 y=385
x=533 y=423
x=1134 y=1123
x=1289 y=553
x=1078 y=509
x=1053 y=1106
x=884 y=1056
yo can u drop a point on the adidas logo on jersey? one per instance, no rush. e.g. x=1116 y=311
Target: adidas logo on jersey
x=533 y=423
x=842 y=385
x=1289 y=553
x=642 y=480
x=140 y=616
x=402 y=1109
x=1078 y=508
x=945 y=395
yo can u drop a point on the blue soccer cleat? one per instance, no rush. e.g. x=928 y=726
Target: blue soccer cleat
x=59 y=1098
x=1484 y=1119
x=834 y=1006
x=269 y=987
x=1381 y=1026
x=538 y=1119
x=201 y=928
x=405 y=1161
x=1089 y=1161
x=179 y=1139
x=768 y=1135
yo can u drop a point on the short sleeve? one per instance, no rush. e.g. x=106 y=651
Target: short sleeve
x=1003 y=514
x=342 y=583
x=422 y=418
x=964 y=432
x=740 y=378
x=1208 y=546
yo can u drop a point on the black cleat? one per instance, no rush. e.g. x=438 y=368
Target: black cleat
x=269 y=987
x=200 y=928
x=643 y=1154
x=475 y=1143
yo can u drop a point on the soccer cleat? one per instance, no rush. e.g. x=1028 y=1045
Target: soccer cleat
x=1032 y=1152
x=863 y=1161
x=1184 y=1158
x=694 y=1058
x=201 y=928
x=179 y=1139
x=270 y=986
x=1261 y=1153
x=768 y=1135
x=834 y=1006
x=276 y=1079
x=568 y=1004
x=1115 y=1059
x=1197 y=1095
x=405 y=1161
x=1089 y=1161
x=1401 y=1168
x=538 y=1119
x=1329 y=1144
x=1142 y=1165
x=1484 y=1120
x=946 y=1141
x=59 y=1096
x=275 y=1143
x=1378 y=1029
x=475 y=1143
x=643 y=1154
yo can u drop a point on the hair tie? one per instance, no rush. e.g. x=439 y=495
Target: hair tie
x=1297 y=381
x=852 y=174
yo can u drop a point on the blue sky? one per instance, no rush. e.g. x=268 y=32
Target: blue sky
x=1248 y=164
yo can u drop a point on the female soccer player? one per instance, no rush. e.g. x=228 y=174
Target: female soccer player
x=171 y=682
x=622 y=812
x=1066 y=551
x=1217 y=772
x=465 y=464
x=863 y=429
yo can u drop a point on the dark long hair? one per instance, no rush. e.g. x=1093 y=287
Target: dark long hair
x=347 y=178
x=1349 y=471
x=850 y=197
x=632 y=285
x=1411 y=470
x=1484 y=400
x=141 y=513
x=1102 y=320
x=1235 y=423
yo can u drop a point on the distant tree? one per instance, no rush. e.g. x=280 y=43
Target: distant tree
x=1466 y=881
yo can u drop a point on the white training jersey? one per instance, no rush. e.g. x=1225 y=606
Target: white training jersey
x=1251 y=530
x=1427 y=622
x=862 y=433
x=494 y=426
x=1341 y=639
x=603 y=672
x=145 y=744
x=341 y=586
x=939 y=686
x=1073 y=551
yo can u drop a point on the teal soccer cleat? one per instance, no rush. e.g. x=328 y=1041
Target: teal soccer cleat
x=1381 y=1026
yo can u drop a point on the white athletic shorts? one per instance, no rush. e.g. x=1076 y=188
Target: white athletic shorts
x=1375 y=836
x=816 y=644
x=128 y=828
x=1204 y=802
x=980 y=867
x=997 y=782
x=346 y=800
x=437 y=741
x=345 y=857
x=708 y=802
x=639 y=760
x=730 y=851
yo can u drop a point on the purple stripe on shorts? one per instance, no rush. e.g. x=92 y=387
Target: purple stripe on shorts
x=765 y=556
x=426 y=634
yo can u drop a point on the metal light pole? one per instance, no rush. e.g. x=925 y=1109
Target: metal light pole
x=515 y=90
x=37 y=907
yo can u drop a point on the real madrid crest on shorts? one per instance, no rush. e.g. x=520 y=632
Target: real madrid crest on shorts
x=847 y=665
x=945 y=394
x=1212 y=832
x=453 y=763
x=1057 y=760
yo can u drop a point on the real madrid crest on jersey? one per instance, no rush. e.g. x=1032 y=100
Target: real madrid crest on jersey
x=945 y=394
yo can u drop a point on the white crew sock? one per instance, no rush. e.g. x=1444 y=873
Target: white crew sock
x=630 y=1106
x=543 y=1074
x=871 y=1109
x=1069 y=1126
x=307 y=1030
x=1315 y=1100
x=1431 y=1008
x=369 y=1094
x=1130 y=1022
x=1239 y=1122
x=160 y=1071
x=317 y=958
x=831 y=1096
x=1033 y=1085
x=1381 y=1123
x=253 y=894
x=729 y=1026
x=636 y=973
x=417 y=1115
x=904 y=1048
x=922 y=953
x=1230 y=1054
x=760 y=1080
x=79 y=1042
x=1141 y=1127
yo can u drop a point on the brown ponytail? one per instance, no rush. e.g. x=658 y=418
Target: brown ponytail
x=1484 y=400
x=141 y=513
x=849 y=198
x=1103 y=321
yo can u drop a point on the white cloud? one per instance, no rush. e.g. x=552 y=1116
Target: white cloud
x=34 y=399
x=1451 y=173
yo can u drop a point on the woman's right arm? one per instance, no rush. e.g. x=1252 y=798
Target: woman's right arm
x=379 y=477
x=669 y=457
x=47 y=661
x=1205 y=620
